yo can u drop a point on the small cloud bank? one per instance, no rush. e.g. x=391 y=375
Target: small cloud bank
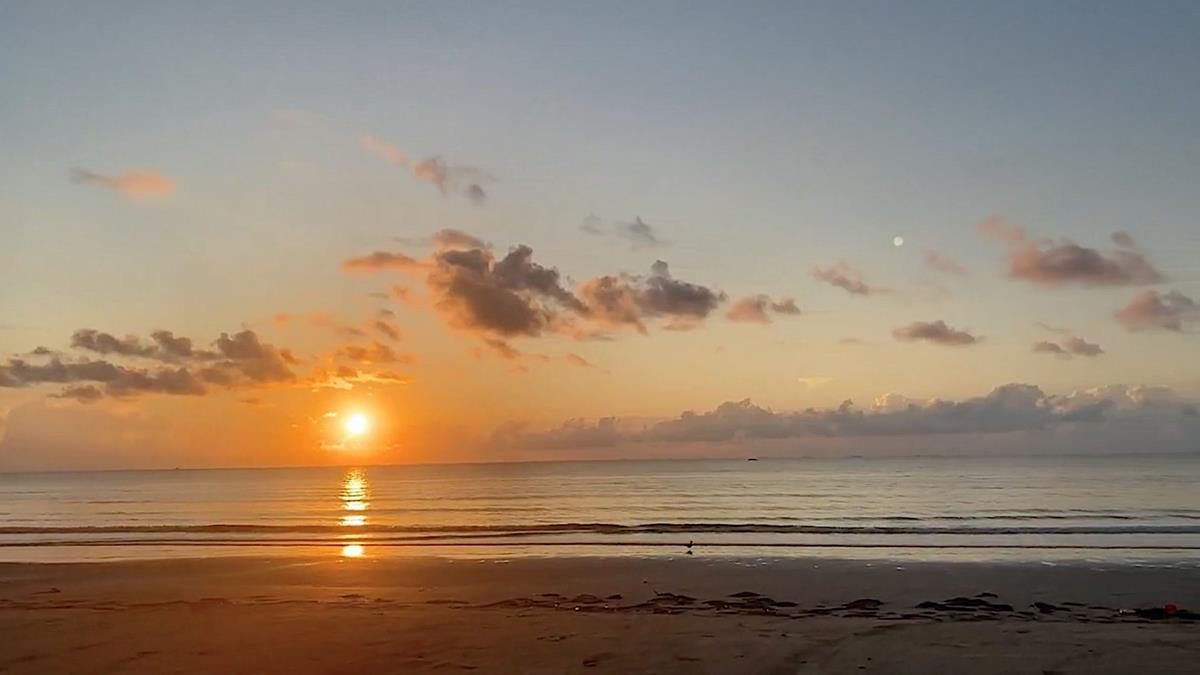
x=1006 y=409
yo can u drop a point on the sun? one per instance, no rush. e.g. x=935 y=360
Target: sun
x=357 y=424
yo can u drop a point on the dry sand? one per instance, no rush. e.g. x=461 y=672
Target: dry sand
x=590 y=615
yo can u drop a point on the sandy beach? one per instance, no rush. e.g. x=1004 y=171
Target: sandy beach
x=591 y=615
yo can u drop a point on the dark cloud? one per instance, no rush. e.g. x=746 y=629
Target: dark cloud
x=105 y=343
x=510 y=297
x=1063 y=262
x=663 y=295
x=1009 y=408
x=117 y=380
x=941 y=263
x=755 y=308
x=237 y=360
x=1162 y=311
x=845 y=276
x=516 y=296
x=936 y=332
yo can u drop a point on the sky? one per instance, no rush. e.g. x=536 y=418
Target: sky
x=510 y=231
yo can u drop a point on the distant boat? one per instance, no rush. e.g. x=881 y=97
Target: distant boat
x=751 y=459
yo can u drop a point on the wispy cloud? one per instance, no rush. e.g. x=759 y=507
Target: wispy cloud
x=847 y=277
x=382 y=148
x=134 y=184
x=638 y=233
x=941 y=263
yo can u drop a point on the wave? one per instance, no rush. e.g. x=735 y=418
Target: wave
x=607 y=529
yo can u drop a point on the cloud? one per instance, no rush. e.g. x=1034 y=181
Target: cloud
x=631 y=300
x=638 y=233
x=814 y=382
x=373 y=352
x=240 y=359
x=386 y=328
x=134 y=184
x=464 y=179
x=86 y=393
x=941 y=263
x=382 y=148
x=754 y=308
x=380 y=260
x=1006 y=409
x=1123 y=239
x=118 y=380
x=507 y=297
x=663 y=295
x=452 y=238
x=1151 y=310
x=1081 y=347
x=936 y=332
x=577 y=360
x=515 y=296
x=1076 y=346
x=846 y=277
x=1047 y=347
x=1048 y=262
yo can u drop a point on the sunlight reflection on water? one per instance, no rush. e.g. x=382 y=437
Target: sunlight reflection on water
x=354 y=498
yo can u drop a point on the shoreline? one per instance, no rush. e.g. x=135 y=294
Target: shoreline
x=592 y=614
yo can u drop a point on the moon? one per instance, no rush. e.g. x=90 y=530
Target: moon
x=897 y=241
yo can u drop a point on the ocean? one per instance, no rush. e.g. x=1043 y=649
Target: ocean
x=1050 y=509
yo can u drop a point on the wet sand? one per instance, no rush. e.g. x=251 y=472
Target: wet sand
x=592 y=615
